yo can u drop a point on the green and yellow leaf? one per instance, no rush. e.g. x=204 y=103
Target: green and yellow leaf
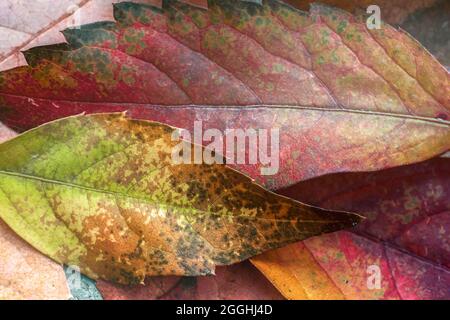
x=101 y=192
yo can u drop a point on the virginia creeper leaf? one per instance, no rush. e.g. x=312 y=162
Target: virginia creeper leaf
x=102 y=192
x=404 y=238
x=332 y=87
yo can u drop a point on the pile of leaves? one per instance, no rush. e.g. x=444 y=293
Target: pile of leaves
x=363 y=119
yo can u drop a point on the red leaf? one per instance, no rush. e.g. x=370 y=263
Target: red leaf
x=332 y=87
x=405 y=235
x=404 y=206
x=238 y=282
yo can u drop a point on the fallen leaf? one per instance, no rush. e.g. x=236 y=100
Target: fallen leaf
x=425 y=20
x=103 y=193
x=26 y=24
x=81 y=289
x=24 y=272
x=237 y=282
x=333 y=88
x=404 y=238
x=38 y=23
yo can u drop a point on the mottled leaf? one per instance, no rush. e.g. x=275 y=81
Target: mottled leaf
x=25 y=273
x=426 y=20
x=237 y=282
x=102 y=192
x=26 y=24
x=405 y=238
x=332 y=87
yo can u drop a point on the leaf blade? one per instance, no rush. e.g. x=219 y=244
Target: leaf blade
x=404 y=236
x=124 y=210
x=272 y=60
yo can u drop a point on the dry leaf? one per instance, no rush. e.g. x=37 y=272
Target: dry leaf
x=332 y=87
x=103 y=193
x=24 y=272
x=404 y=240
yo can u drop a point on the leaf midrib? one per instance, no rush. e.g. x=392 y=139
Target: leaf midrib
x=115 y=194
x=445 y=123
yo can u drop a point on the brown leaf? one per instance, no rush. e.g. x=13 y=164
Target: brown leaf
x=127 y=209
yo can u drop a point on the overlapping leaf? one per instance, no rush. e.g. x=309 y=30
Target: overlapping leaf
x=24 y=272
x=404 y=240
x=332 y=87
x=37 y=23
x=237 y=282
x=27 y=24
x=103 y=193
